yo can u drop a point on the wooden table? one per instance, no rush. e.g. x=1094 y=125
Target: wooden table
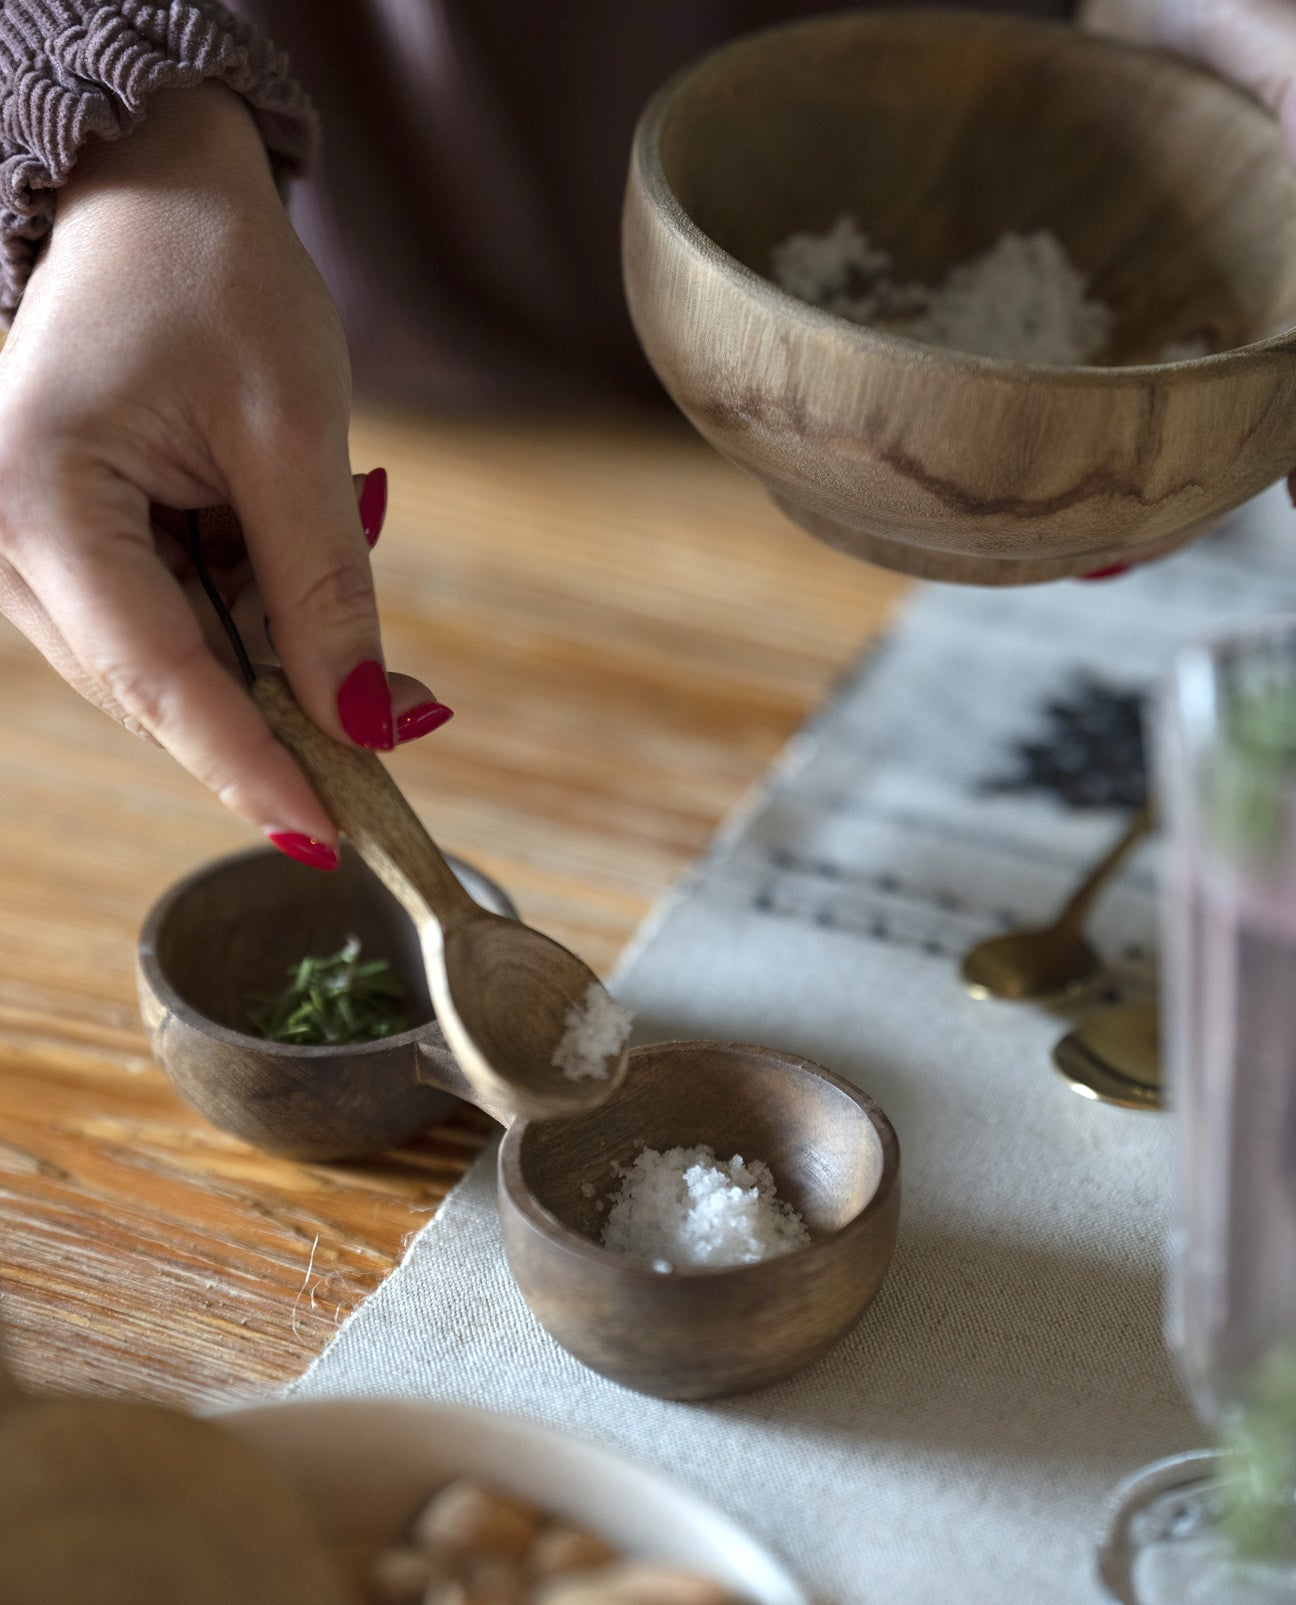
x=628 y=631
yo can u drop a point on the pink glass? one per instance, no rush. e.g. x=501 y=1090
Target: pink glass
x=1225 y=738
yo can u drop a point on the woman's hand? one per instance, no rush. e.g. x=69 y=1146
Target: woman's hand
x=176 y=349
x=1251 y=41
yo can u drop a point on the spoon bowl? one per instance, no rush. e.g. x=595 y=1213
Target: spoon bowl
x=488 y=959
x=1054 y=961
x=1115 y=1057
x=1029 y=966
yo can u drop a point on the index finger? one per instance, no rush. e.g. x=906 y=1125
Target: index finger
x=125 y=619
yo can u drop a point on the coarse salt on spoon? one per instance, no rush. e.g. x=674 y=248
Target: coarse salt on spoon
x=529 y=1023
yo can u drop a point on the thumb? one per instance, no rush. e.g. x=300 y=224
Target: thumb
x=1253 y=42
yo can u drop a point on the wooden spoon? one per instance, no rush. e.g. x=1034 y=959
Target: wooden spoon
x=134 y=1504
x=1025 y=966
x=504 y=994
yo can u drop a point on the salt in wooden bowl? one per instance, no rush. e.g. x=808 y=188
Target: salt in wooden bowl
x=939 y=131
x=701 y=1333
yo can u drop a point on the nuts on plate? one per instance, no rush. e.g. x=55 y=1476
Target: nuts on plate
x=472 y=1546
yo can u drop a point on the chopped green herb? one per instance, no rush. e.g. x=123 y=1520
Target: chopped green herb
x=334 y=1000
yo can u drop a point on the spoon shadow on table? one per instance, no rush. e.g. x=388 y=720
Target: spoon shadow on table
x=938 y=1361
x=985 y=1306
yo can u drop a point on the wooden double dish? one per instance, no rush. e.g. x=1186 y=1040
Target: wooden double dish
x=234 y=928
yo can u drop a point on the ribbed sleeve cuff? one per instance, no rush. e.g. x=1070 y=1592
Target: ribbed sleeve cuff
x=71 y=71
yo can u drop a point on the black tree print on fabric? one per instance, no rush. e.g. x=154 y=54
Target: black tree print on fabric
x=1088 y=752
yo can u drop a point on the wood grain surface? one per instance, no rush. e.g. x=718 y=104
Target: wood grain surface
x=628 y=632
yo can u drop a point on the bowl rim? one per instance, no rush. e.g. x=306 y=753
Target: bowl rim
x=646 y=164
x=176 y=1004
x=539 y=1437
x=511 y=1185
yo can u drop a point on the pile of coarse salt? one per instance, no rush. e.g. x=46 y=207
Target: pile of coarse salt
x=686 y=1208
x=1023 y=299
x=595 y=1031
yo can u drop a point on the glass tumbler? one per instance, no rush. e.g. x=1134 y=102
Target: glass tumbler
x=1225 y=742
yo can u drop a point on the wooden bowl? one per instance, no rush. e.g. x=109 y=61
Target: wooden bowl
x=938 y=131
x=701 y=1334
x=233 y=929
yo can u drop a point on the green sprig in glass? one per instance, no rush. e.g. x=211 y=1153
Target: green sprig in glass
x=1259 y=1467
x=1255 y=755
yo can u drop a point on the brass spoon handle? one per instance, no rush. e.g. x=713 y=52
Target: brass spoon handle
x=364 y=801
x=1076 y=910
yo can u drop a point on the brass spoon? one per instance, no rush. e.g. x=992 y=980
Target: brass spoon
x=502 y=992
x=1025 y=966
x=1114 y=1057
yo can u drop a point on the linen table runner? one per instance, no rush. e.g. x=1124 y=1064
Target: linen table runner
x=962 y=1442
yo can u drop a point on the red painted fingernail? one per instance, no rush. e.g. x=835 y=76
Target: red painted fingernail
x=422 y=719
x=305 y=849
x=1107 y=573
x=373 y=504
x=365 y=707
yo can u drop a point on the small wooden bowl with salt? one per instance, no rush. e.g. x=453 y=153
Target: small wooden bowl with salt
x=714 y=1221
x=938 y=134
x=681 y=1331
x=697 y=1331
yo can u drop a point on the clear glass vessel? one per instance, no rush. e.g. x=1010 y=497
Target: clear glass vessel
x=1225 y=732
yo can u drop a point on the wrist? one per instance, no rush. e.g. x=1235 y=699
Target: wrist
x=204 y=137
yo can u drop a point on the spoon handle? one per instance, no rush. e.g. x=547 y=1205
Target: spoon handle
x=364 y=801
x=1076 y=909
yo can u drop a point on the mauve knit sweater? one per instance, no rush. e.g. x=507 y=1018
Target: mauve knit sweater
x=463 y=202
